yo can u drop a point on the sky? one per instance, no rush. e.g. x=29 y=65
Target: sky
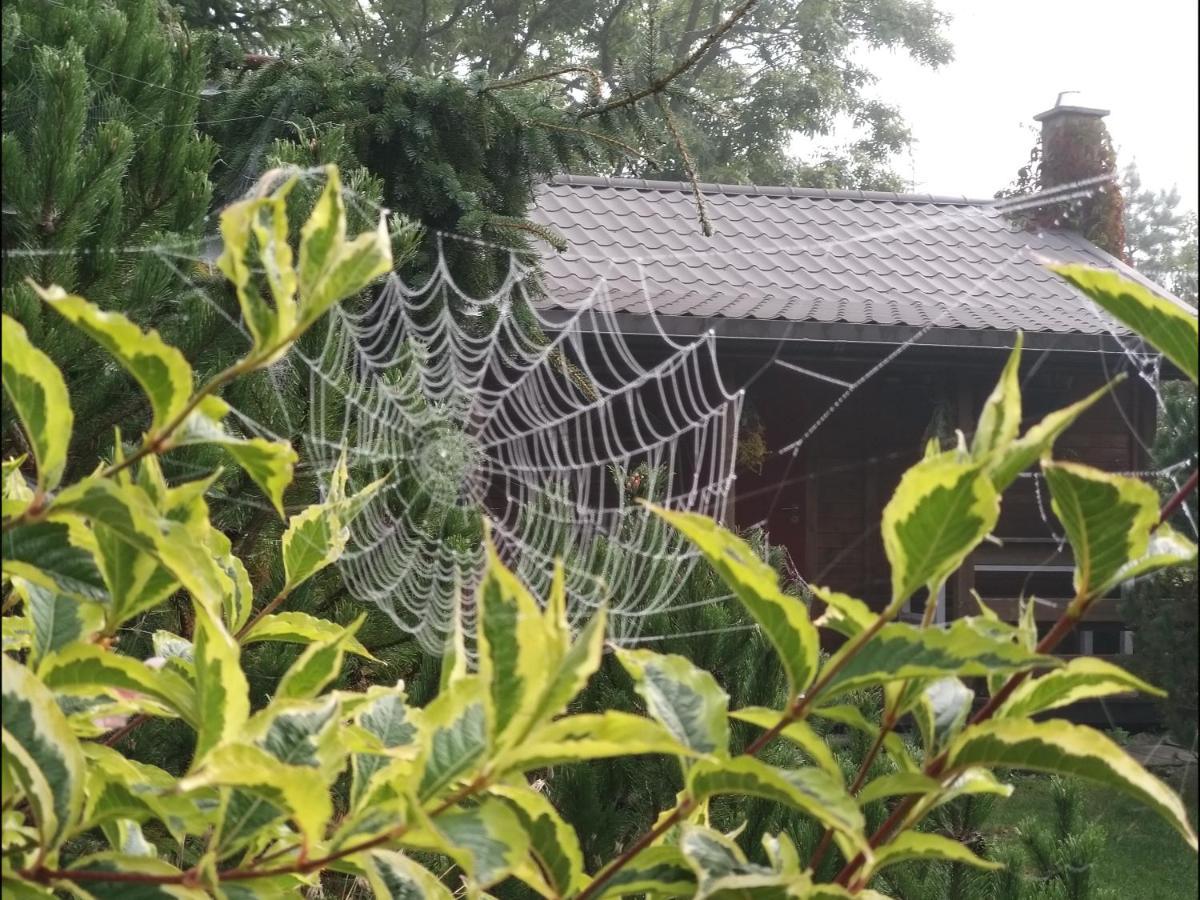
x=972 y=119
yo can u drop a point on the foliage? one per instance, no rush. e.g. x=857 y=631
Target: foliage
x=1160 y=237
x=787 y=67
x=309 y=784
x=101 y=155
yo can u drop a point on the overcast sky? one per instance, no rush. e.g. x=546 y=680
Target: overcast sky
x=971 y=119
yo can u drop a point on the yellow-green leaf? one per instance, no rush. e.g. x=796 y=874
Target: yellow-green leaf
x=301 y=628
x=798 y=732
x=222 y=692
x=591 y=736
x=159 y=368
x=330 y=267
x=41 y=754
x=783 y=619
x=1037 y=441
x=1080 y=679
x=1063 y=748
x=941 y=511
x=318 y=665
x=1169 y=326
x=917 y=845
x=809 y=790
x=513 y=648
x=1107 y=518
x=38 y=394
x=557 y=869
x=685 y=700
x=1000 y=421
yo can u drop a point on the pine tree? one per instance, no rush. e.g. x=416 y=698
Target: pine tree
x=101 y=161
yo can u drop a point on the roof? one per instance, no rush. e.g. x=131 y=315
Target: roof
x=790 y=259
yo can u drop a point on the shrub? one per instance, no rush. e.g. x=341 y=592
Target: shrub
x=317 y=785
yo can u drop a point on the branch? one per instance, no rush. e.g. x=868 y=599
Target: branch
x=660 y=84
x=507 y=83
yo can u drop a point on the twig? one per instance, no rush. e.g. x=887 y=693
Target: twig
x=1176 y=501
x=507 y=83
x=660 y=84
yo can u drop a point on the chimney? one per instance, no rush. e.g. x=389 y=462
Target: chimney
x=1076 y=149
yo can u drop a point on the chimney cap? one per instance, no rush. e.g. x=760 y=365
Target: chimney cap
x=1061 y=109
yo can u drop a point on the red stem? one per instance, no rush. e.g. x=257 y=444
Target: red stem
x=1170 y=507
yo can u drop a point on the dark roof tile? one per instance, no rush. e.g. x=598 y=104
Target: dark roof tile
x=798 y=254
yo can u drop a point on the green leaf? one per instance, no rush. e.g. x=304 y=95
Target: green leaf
x=57 y=619
x=135 y=579
x=1063 y=748
x=685 y=700
x=809 y=790
x=255 y=770
x=41 y=754
x=393 y=876
x=264 y=220
x=454 y=738
x=844 y=614
x=1037 y=441
x=897 y=784
x=388 y=717
x=43 y=553
x=573 y=669
x=317 y=535
x=222 y=692
x=553 y=844
x=38 y=394
x=81 y=667
x=591 y=736
x=901 y=651
x=318 y=665
x=722 y=869
x=270 y=464
x=330 y=267
x=1107 y=518
x=783 y=619
x=159 y=368
x=301 y=628
x=513 y=648
x=486 y=840
x=1000 y=421
x=940 y=512
x=799 y=733
x=916 y=845
x=1080 y=679
x=1169 y=326
x=128 y=511
x=659 y=871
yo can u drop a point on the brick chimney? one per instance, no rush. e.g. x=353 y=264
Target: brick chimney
x=1076 y=147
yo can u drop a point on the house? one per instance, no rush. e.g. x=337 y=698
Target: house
x=862 y=324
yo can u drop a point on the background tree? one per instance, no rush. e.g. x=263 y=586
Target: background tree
x=1161 y=236
x=786 y=68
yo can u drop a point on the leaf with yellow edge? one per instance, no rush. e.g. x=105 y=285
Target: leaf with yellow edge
x=783 y=619
x=41 y=754
x=1000 y=421
x=38 y=394
x=590 y=736
x=557 y=869
x=799 y=733
x=332 y=268
x=1063 y=748
x=684 y=699
x=916 y=845
x=940 y=512
x=1108 y=519
x=1080 y=679
x=222 y=692
x=161 y=370
x=1169 y=326
x=1037 y=441
x=513 y=651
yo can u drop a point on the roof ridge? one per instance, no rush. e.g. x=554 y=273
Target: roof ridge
x=642 y=184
